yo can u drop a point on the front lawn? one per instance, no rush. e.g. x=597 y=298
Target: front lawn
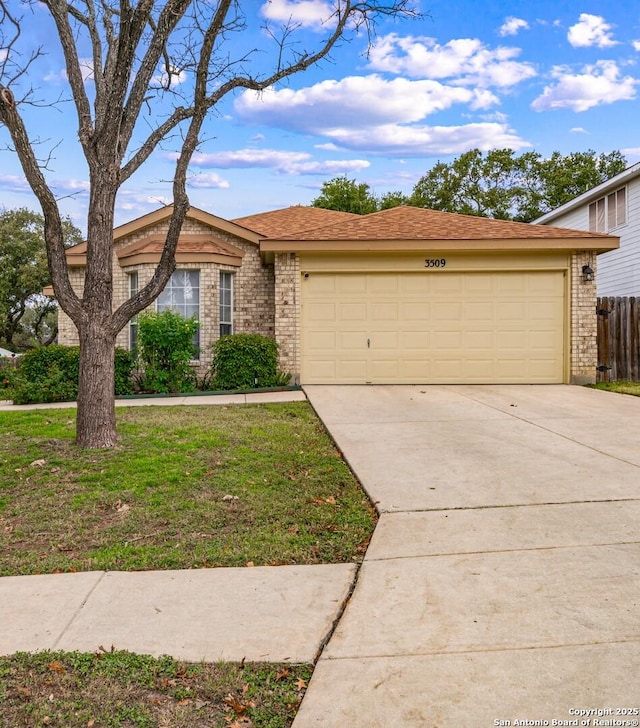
x=186 y=487
x=621 y=387
x=120 y=689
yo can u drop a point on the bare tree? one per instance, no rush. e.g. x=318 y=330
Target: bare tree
x=138 y=52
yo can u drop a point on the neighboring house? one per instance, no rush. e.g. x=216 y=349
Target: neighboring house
x=406 y=295
x=611 y=207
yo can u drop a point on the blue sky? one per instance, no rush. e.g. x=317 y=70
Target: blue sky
x=539 y=76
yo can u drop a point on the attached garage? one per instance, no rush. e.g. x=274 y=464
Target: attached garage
x=433 y=326
x=415 y=296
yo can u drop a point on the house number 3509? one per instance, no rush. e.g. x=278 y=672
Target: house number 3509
x=435 y=262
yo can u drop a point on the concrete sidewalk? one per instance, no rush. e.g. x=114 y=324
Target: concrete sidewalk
x=175 y=400
x=502 y=583
x=271 y=613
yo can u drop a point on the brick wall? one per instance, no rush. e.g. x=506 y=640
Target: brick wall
x=287 y=313
x=584 y=325
x=253 y=290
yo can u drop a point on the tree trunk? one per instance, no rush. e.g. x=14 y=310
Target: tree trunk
x=96 y=417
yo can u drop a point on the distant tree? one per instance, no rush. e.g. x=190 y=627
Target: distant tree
x=392 y=199
x=346 y=195
x=24 y=310
x=506 y=186
x=567 y=177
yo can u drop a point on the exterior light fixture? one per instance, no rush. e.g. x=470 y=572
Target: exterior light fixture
x=587 y=273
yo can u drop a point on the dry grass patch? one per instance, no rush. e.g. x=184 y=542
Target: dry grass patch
x=120 y=689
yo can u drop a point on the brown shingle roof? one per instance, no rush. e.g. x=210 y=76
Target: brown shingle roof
x=417 y=223
x=289 y=221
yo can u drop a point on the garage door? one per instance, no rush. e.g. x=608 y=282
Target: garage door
x=419 y=328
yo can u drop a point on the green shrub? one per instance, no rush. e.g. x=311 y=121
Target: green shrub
x=246 y=361
x=47 y=374
x=124 y=363
x=7 y=373
x=50 y=374
x=165 y=348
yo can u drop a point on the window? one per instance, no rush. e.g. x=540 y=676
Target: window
x=226 y=303
x=182 y=295
x=608 y=212
x=133 y=323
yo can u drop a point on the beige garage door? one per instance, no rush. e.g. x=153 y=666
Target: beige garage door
x=420 y=328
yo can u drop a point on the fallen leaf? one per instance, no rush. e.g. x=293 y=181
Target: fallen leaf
x=294 y=530
x=238 y=706
x=39 y=462
x=184 y=701
x=301 y=684
x=250 y=563
x=91 y=723
x=57 y=666
x=24 y=692
x=282 y=674
x=229 y=497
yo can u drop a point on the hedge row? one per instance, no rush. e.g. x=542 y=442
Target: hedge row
x=240 y=361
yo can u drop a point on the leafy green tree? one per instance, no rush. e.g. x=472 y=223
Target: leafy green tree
x=567 y=177
x=23 y=274
x=346 y=195
x=507 y=186
x=392 y=199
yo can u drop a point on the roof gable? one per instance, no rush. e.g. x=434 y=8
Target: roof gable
x=164 y=213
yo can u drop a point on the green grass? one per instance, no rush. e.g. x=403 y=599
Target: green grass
x=186 y=487
x=120 y=689
x=620 y=387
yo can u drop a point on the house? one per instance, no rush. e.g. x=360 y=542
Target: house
x=611 y=207
x=405 y=295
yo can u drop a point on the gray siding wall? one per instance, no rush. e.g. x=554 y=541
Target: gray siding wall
x=618 y=270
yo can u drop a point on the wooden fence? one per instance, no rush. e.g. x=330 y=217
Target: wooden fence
x=618 y=339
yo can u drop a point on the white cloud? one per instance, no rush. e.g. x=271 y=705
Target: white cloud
x=13 y=183
x=290 y=163
x=208 y=181
x=597 y=84
x=591 y=30
x=578 y=130
x=428 y=141
x=70 y=186
x=356 y=101
x=512 y=25
x=61 y=76
x=636 y=45
x=162 y=79
x=307 y=13
x=631 y=152
x=466 y=60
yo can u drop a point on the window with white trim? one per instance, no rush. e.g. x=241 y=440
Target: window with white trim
x=608 y=212
x=133 y=323
x=182 y=295
x=226 y=303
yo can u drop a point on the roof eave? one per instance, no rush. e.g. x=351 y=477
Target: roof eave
x=597 y=244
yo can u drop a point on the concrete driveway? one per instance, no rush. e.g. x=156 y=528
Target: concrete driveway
x=502 y=584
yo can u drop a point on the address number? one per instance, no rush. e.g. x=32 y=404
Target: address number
x=435 y=262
